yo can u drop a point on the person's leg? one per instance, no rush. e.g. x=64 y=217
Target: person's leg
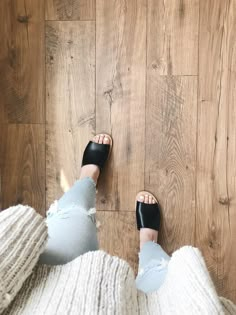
x=153 y=260
x=72 y=227
x=153 y=266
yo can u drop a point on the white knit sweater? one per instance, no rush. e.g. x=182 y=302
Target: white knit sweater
x=94 y=283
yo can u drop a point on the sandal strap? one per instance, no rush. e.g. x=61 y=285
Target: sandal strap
x=96 y=153
x=148 y=215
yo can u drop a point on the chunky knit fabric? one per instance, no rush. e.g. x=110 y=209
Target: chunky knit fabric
x=23 y=234
x=94 y=283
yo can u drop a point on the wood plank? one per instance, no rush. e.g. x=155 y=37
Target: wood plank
x=171 y=154
x=172 y=35
x=22 y=61
x=70 y=10
x=216 y=194
x=70 y=99
x=22 y=153
x=118 y=235
x=120 y=98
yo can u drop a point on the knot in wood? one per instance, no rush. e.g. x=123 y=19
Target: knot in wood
x=224 y=200
x=23 y=18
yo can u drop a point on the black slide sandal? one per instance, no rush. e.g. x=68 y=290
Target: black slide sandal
x=148 y=214
x=97 y=153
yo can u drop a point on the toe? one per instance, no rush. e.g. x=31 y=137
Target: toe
x=149 y=199
x=146 y=199
x=101 y=137
x=141 y=198
x=96 y=139
x=106 y=140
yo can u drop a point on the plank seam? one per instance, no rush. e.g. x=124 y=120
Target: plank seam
x=196 y=153
x=77 y=20
x=45 y=113
x=145 y=113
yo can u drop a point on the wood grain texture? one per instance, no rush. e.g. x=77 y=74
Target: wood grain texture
x=170 y=166
x=172 y=35
x=147 y=54
x=70 y=9
x=120 y=98
x=216 y=194
x=22 y=61
x=118 y=235
x=22 y=156
x=70 y=99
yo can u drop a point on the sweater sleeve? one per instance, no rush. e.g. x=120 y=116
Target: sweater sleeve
x=23 y=235
x=228 y=306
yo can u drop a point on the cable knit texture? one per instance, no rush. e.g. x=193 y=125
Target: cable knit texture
x=23 y=234
x=94 y=283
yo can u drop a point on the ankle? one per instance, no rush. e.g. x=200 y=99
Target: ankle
x=147 y=235
x=90 y=171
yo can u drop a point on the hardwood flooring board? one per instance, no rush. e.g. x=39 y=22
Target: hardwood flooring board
x=216 y=207
x=23 y=166
x=118 y=235
x=170 y=167
x=120 y=98
x=172 y=36
x=70 y=10
x=22 y=61
x=229 y=270
x=70 y=100
x=64 y=150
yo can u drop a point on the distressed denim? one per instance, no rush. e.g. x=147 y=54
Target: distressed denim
x=153 y=267
x=72 y=227
x=72 y=232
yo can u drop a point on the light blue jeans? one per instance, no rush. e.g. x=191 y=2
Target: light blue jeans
x=72 y=232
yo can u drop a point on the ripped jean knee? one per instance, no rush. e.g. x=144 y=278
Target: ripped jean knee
x=56 y=212
x=82 y=194
x=72 y=232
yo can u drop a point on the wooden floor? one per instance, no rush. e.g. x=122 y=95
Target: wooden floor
x=160 y=77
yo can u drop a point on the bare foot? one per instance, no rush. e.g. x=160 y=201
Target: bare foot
x=146 y=234
x=92 y=170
